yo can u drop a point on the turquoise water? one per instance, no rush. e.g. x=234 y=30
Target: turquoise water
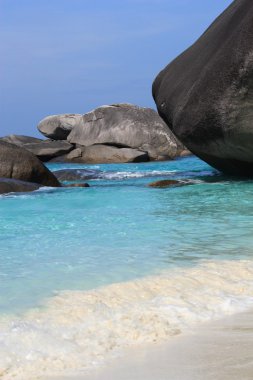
x=119 y=229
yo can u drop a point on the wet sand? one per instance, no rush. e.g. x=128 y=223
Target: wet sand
x=221 y=350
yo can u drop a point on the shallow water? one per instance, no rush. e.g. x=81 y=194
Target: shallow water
x=119 y=229
x=85 y=272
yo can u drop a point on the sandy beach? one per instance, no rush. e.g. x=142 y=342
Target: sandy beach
x=221 y=350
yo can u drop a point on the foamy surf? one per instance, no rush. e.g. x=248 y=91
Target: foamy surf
x=77 y=330
x=136 y=174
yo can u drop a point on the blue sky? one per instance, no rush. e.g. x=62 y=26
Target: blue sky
x=70 y=56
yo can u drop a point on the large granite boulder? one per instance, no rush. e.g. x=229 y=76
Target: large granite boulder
x=8 y=185
x=18 y=163
x=206 y=94
x=129 y=126
x=20 y=140
x=99 y=154
x=57 y=127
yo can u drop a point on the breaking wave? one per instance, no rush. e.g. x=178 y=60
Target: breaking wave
x=80 y=329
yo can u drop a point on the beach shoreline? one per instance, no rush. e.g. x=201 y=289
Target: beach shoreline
x=220 y=350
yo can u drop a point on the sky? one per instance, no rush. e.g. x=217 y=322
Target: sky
x=71 y=56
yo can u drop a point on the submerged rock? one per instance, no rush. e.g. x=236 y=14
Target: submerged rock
x=129 y=126
x=58 y=127
x=18 y=163
x=206 y=94
x=76 y=174
x=166 y=183
x=8 y=185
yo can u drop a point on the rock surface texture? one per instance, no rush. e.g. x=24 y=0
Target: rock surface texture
x=47 y=149
x=20 y=140
x=206 y=94
x=98 y=154
x=57 y=127
x=18 y=163
x=129 y=126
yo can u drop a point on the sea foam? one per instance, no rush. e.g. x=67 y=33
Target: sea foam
x=76 y=330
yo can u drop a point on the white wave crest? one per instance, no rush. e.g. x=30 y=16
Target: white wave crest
x=140 y=174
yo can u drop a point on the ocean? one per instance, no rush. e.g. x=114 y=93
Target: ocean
x=87 y=272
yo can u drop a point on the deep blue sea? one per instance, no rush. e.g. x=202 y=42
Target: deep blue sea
x=61 y=247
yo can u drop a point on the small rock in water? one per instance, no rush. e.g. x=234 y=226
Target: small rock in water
x=77 y=185
x=76 y=174
x=166 y=183
x=9 y=185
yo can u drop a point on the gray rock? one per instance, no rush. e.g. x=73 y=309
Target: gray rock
x=76 y=153
x=20 y=140
x=18 y=163
x=185 y=153
x=57 y=127
x=48 y=149
x=126 y=125
x=206 y=94
x=8 y=185
x=97 y=154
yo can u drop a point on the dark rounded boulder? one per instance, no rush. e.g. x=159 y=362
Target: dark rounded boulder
x=206 y=94
x=18 y=163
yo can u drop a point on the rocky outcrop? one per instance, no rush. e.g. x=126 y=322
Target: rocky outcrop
x=18 y=163
x=58 y=127
x=97 y=154
x=45 y=150
x=48 y=149
x=108 y=134
x=129 y=126
x=206 y=94
x=20 y=140
x=8 y=185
